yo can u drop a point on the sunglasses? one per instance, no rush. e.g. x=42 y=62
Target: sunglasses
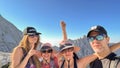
x=33 y=35
x=98 y=37
x=68 y=50
x=47 y=51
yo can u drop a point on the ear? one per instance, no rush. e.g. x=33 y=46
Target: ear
x=108 y=39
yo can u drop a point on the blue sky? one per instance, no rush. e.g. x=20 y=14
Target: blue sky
x=79 y=15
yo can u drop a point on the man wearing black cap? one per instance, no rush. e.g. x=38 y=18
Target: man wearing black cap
x=99 y=40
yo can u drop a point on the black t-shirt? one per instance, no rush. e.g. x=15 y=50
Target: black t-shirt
x=103 y=63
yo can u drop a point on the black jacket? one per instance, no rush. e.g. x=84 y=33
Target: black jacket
x=107 y=62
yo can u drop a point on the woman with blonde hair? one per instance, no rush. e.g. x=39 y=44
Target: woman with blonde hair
x=25 y=55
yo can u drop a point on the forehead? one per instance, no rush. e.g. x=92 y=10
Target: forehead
x=94 y=33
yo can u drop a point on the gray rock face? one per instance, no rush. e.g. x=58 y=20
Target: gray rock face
x=9 y=35
x=4 y=58
x=84 y=45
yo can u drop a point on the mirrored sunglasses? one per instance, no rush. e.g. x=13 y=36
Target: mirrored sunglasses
x=98 y=37
x=46 y=51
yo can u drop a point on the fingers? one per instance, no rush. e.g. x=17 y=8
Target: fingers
x=63 y=24
x=32 y=47
x=32 y=51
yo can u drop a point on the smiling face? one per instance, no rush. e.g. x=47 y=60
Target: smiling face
x=46 y=53
x=68 y=53
x=99 y=42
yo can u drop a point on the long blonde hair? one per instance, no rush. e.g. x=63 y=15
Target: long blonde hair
x=25 y=44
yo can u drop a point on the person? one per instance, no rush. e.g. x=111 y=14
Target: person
x=99 y=41
x=68 y=52
x=25 y=54
x=49 y=59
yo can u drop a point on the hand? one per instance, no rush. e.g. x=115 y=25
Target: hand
x=32 y=51
x=38 y=54
x=63 y=25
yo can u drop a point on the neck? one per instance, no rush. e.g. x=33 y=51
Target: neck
x=103 y=54
x=70 y=61
x=46 y=61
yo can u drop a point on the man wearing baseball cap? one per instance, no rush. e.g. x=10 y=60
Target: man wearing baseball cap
x=99 y=41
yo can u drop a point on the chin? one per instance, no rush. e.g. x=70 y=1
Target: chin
x=98 y=50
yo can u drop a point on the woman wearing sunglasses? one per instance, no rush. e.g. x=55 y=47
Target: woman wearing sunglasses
x=67 y=50
x=49 y=60
x=24 y=55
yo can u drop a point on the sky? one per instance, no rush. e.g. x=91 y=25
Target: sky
x=79 y=16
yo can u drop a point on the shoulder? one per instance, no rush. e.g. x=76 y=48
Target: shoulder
x=60 y=62
x=18 y=48
x=116 y=61
x=17 y=51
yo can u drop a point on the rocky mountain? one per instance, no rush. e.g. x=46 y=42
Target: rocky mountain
x=9 y=35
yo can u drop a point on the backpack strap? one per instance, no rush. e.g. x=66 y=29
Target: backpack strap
x=24 y=55
x=62 y=66
x=75 y=62
x=114 y=63
x=117 y=60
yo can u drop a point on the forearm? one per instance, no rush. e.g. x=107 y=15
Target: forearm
x=24 y=62
x=63 y=27
x=115 y=47
x=64 y=34
x=88 y=59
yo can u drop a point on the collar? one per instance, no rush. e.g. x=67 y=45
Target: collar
x=111 y=55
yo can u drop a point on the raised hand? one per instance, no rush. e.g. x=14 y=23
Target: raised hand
x=63 y=26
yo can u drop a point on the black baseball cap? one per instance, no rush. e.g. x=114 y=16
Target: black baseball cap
x=30 y=31
x=99 y=29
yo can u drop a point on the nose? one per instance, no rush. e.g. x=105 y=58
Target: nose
x=95 y=40
x=67 y=52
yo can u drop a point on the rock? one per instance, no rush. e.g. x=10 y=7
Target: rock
x=9 y=35
x=4 y=58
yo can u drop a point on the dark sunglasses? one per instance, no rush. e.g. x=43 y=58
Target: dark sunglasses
x=98 y=37
x=47 y=51
x=33 y=35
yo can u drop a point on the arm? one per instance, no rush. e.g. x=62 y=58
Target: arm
x=87 y=60
x=115 y=47
x=17 y=57
x=63 y=26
